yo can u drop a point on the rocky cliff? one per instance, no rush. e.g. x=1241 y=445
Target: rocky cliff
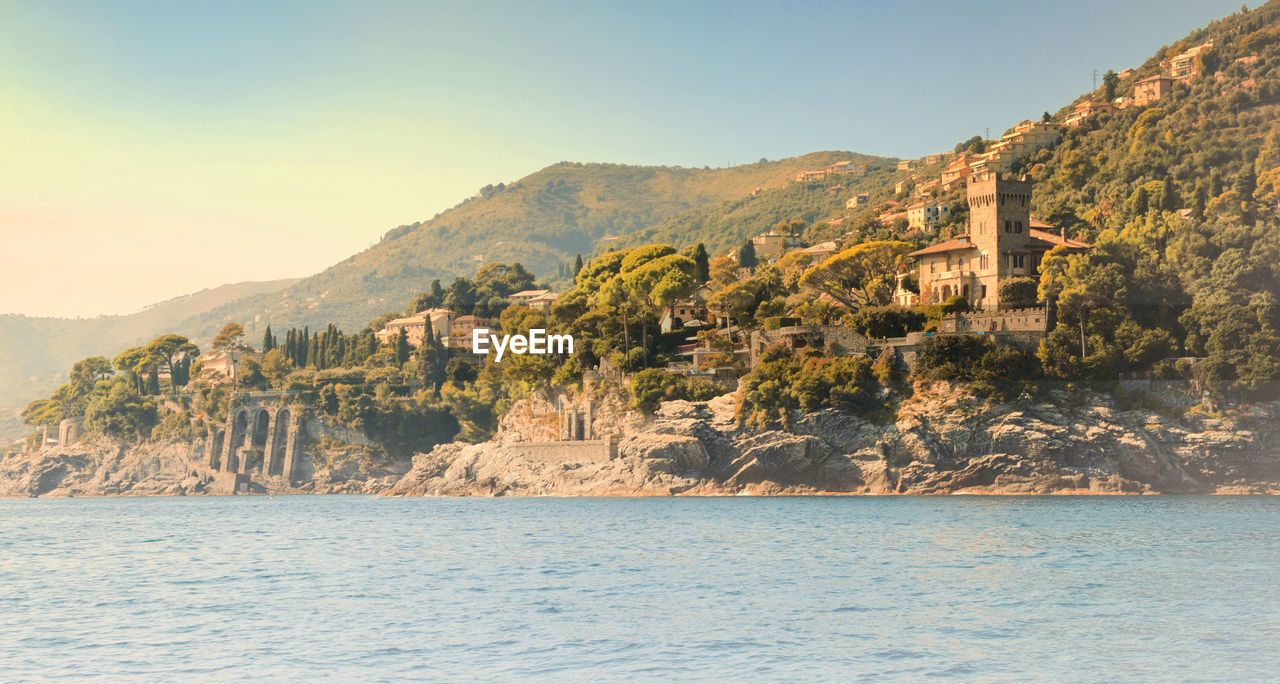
x=101 y=466
x=941 y=440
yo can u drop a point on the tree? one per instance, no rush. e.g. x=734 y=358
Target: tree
x=747 y=254
x=231 y=335
x=431 y=299
x=460 y=373
x=275 y=368
x=702 y=261
x=1018 y=292
x=886 y=321
x=116 y=409
x=268 y=341
x=648 y=388
x=1110 y=81
x=577 y=266
x=859 y=275
x=175 y=353
x=403 y=350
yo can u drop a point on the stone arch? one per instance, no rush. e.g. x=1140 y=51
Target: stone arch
x=239 y=428
x=257 y=442
x=946 y=292
x=279 y=442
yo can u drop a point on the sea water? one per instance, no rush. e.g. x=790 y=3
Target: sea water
x=361 y=588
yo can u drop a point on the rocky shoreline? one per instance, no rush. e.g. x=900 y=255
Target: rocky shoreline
x=941 y=440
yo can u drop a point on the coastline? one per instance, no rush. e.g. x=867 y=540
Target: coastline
x=942 y=441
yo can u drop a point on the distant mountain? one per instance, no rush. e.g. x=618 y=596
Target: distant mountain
x=542 y=221
x=35 y=353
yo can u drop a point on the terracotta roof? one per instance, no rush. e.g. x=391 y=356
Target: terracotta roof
x=1039 y=238
x=1054 y=239
x=954 y=244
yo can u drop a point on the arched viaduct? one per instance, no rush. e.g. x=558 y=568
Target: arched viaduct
x=257 y=439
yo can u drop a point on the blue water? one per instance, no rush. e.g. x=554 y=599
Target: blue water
x=958 y=588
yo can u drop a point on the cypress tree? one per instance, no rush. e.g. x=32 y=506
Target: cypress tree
x=747 y=254
x=402 y=347
x=577 y=266
x=268 y=342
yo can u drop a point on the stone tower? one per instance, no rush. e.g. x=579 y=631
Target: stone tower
x=1000 y=228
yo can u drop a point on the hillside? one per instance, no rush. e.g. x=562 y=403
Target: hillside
x=543 y=221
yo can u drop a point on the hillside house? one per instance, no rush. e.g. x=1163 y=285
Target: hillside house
x=1028 y=137
x=926 y=214
x=857 y=201
x=772 y=245
x=846 y=167
x=1086 y=109
x=954 y=173
x=1001 y=243
x=538 y=300
x=415 y=327
x=221 y=366
x=682 y=315
x=460 y=330
x=1151 y=89
x=1188 y=65
x=937 y=158
x=907 y=164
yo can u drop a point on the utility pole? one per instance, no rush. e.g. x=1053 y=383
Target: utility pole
x=1095 y=79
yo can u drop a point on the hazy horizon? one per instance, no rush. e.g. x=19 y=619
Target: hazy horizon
x=163 y=150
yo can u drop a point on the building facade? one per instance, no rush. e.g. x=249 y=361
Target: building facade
x=1151 y=89
x=1000 y=244
x=926 y=214
x=415 y=327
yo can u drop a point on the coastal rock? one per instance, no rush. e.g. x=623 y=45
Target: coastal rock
x=943 y=439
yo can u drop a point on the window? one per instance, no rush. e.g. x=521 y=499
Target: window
x=983 y=263
x=1008 y=226
x=1017 y=227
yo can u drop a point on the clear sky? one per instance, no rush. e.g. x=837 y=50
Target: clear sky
x=151 y=149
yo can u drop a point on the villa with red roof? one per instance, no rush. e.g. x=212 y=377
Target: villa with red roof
x=1002 y=242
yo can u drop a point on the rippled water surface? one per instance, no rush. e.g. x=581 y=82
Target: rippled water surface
x=1064 y=589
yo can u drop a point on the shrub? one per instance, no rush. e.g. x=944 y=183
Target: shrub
x=988 y=367
x=886 y=321
x=1019 y=292
x=955 y=303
